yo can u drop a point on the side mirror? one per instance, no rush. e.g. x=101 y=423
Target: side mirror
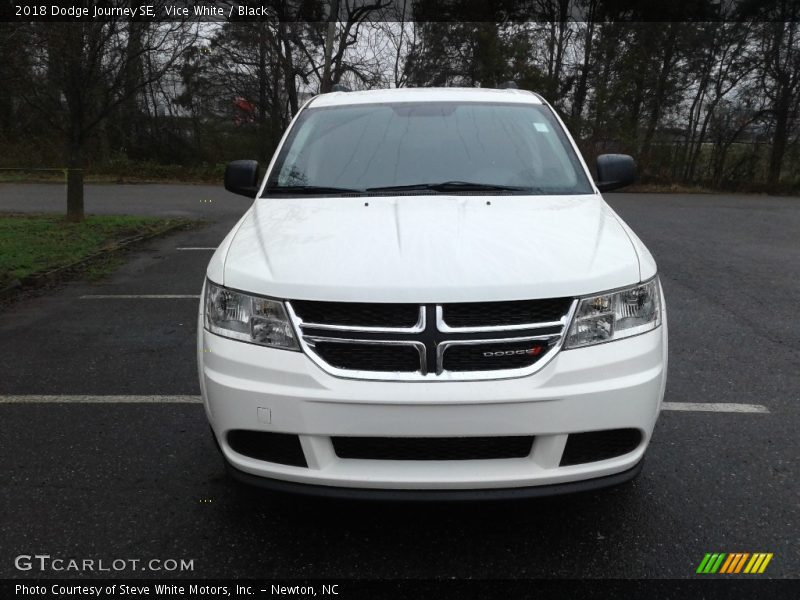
x=241 y=177
x=615 y=171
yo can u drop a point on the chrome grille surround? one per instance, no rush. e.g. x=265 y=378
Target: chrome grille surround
x=431 y=322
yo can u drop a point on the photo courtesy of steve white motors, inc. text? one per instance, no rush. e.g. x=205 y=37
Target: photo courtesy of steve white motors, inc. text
x=140 y=11
x=172 y=589
x=114 y=589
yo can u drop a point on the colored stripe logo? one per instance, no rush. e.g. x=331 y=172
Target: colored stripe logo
x=734 y=562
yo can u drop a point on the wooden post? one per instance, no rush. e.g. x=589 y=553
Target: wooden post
x=74 y=194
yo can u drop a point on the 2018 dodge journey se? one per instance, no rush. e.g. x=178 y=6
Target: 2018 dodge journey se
x=429 y=298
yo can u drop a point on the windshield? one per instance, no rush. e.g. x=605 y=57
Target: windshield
x=464 y=145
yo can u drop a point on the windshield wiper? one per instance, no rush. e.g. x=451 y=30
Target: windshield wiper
x=450 y=186
x=310 y=189
x=446 y=186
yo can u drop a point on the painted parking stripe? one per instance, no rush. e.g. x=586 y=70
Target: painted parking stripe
x=159 y=399
x=196 y=248
x=137 y=296
x=727 y=407
x=80 y=399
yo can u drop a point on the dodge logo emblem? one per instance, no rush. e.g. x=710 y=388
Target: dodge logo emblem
x=535 y=351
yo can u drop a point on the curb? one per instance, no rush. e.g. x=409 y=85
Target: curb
x=37 y=279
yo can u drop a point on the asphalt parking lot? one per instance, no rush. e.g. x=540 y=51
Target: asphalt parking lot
x=108 y=478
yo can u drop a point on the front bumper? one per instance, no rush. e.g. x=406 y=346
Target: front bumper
x=609 y=386
x=434 y=495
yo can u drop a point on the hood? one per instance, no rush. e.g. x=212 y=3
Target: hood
x=428 y=249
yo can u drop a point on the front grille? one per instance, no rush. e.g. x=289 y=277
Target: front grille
x=357 y=314
x=492 y=356
x=592 y=446
x=518 y=312
x=281 y=448
x=459 y=341
x=416 y=448
x=369 y=357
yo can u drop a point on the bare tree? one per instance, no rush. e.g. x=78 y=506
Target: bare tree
x=339 y=40
x=780 y=78
x=399 y=31
x=727 y=61
x=86 y=70
x=582 y=84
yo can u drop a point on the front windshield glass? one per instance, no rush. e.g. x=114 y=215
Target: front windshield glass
x=364 y=146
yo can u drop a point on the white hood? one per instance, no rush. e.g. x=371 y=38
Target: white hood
x=429 y=249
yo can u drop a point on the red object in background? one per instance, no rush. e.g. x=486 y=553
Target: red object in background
x=245 y=111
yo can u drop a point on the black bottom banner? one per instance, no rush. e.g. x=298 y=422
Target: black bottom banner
x=400 y=588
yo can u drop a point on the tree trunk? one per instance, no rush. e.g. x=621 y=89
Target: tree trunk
x=563 y=35
x=607 y=58
x=75 y=178
x=583 y=80
x=779 y=141
x=660 y=93
x=684 y=164
x=333 y=18
x=288 y=68
x=263 y=142
x=701 y=136
x=129 y=117
x=551 y=60
x=691 y=130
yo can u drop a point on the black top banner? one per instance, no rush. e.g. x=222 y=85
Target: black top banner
x=495 y=11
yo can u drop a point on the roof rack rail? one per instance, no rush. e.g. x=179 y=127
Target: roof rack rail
x=339 y=87
x=508 y=85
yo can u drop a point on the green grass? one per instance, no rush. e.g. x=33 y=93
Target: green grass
x=33 y=244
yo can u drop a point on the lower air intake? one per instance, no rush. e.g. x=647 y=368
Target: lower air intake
x=431 y=448
x=281 y=448
x=592 y=446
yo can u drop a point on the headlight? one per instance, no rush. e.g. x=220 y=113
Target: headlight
x=616 y=315
x=248 y=318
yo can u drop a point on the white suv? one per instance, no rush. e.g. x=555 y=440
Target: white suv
x=429 y=298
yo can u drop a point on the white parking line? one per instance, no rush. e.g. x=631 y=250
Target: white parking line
x=156 y=399
x=196 y=248
x=715 y=407
x=100 y=399
x=132 y=296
